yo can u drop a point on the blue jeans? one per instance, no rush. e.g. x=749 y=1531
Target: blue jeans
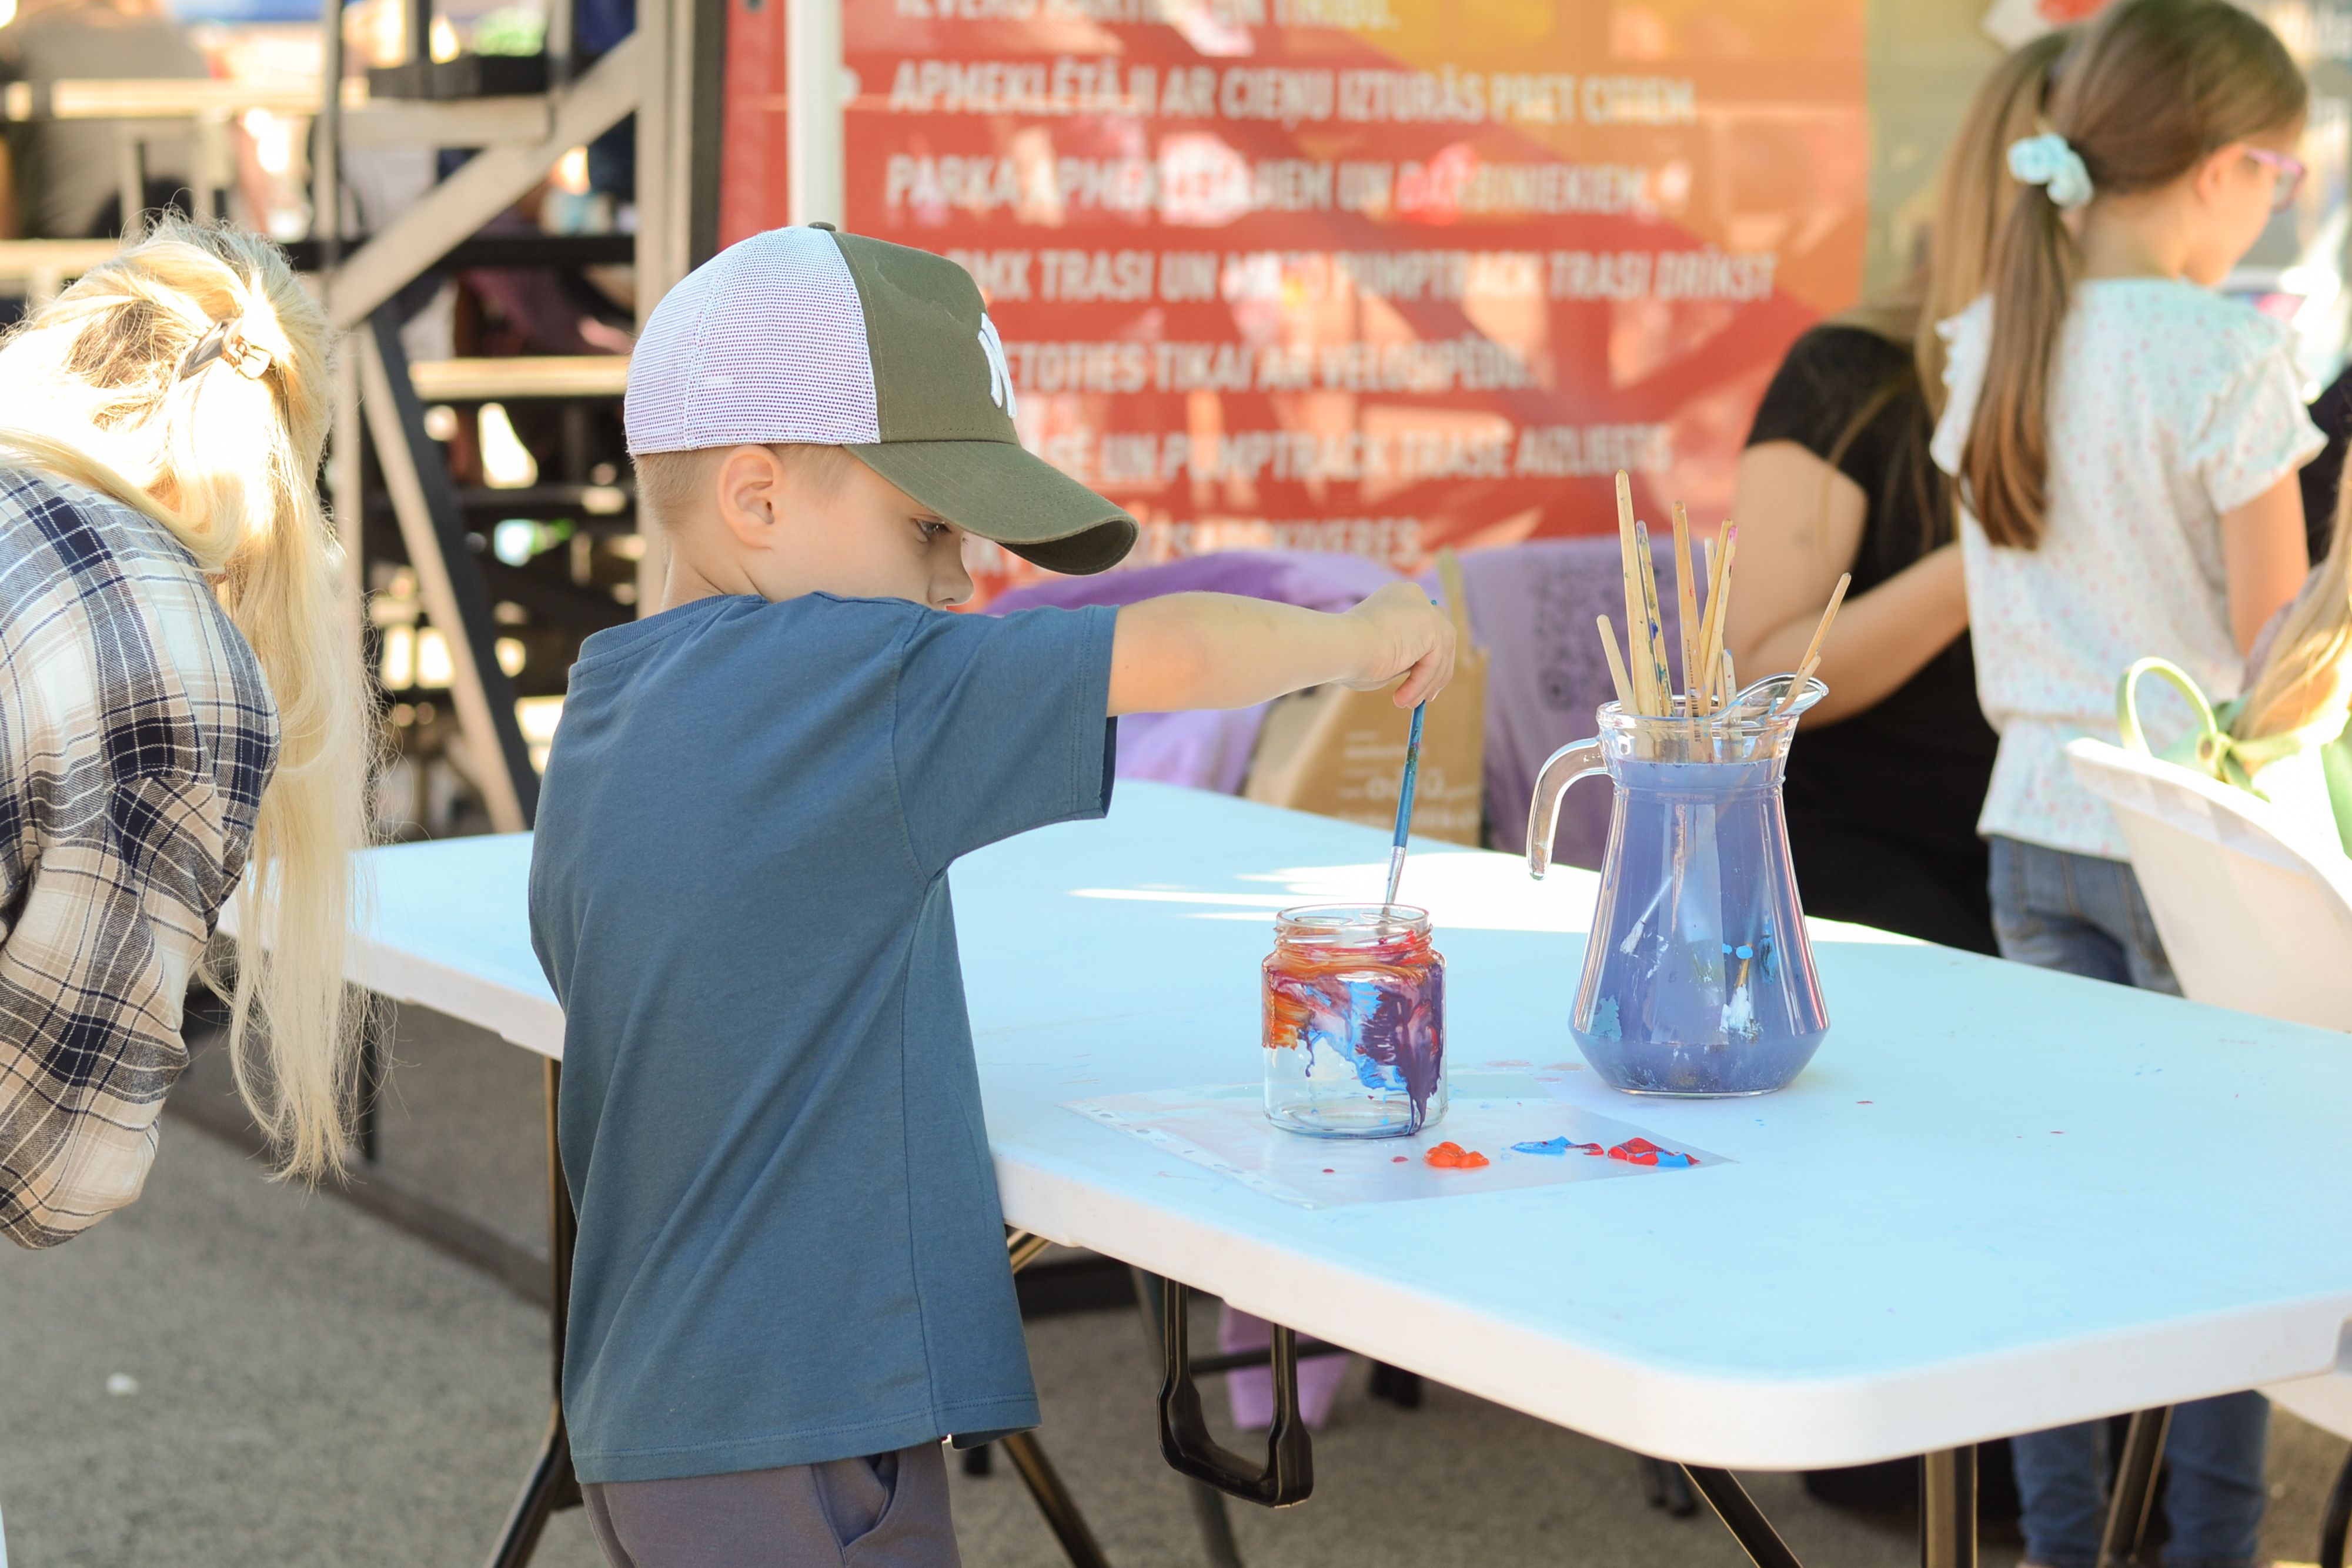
x=2084 y=915
x=2075 y=914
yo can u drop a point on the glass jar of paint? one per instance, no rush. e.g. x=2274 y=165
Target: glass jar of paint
x=1355 y=1022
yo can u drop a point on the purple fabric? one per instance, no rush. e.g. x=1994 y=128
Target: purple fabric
x=1533 y=605
x=1208 y=749
x=1288 y=577
x=1251 y=1389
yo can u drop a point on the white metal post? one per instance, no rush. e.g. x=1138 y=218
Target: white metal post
x=816 y=140
x=343 y=476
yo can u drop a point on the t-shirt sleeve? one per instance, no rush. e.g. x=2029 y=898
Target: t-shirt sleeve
x=1002 y=725
x=2255 y=432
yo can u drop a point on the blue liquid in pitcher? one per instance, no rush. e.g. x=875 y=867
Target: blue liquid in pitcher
x=1698 y=979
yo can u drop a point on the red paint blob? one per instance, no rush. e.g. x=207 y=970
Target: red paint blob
x=1641 y=1151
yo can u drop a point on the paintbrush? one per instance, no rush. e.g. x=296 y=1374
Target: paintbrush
x=1652 y=649
x=1698 y=648
x=1626 y=547
x=1405 y=799
x=1686 y=613
x=1718 y=608
x=1616 y=664
x=1814 y=650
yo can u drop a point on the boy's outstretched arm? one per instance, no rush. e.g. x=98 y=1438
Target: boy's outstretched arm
x=1219 y=650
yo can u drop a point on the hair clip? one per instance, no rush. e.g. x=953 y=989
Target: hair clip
x=227 y=341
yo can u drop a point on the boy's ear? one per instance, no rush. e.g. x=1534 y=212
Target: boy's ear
x=750 y=483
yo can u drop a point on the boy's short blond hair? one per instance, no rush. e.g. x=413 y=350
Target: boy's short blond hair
x=671 y=485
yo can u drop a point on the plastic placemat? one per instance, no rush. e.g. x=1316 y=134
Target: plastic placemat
x=1524 y=1136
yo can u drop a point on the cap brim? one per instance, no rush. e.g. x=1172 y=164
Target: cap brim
x=1004 y=493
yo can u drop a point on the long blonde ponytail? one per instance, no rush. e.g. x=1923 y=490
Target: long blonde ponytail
x=2307 y=673
x=2151 y=87
x=95 y=389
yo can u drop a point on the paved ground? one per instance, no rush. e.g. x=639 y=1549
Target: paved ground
x=308 y=1385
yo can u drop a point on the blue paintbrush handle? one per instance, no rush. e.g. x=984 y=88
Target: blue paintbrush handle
x=1405 y=799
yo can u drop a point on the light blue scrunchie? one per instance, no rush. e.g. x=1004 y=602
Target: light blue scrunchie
x=2048 y=161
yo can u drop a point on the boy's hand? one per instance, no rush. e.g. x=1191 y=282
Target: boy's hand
x=1403 y=631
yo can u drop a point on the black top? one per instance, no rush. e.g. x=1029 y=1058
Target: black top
x=2323 y=475
x=1892 y=792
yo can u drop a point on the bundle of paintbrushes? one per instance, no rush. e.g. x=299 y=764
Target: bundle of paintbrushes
x=1710 y=696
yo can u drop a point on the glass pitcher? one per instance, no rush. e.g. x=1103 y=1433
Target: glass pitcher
x=1698 y=979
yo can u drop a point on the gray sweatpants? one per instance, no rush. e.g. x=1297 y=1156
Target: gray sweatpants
x=886 y=1510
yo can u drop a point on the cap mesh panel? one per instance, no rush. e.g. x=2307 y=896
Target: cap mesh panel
x=765 y=343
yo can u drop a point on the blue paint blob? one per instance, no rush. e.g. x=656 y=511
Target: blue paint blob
x=1604 y=1024
x=1560 y=1145
x=1745 y=951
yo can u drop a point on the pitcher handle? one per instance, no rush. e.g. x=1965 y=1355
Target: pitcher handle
x=1565 y=767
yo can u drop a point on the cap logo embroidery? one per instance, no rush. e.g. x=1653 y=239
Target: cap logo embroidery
x=1000 y=375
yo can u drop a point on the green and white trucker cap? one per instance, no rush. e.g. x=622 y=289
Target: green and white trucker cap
x=806 y=335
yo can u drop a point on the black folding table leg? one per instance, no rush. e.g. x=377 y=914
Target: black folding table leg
x=1054 y=1501
x=1947 y=1509
x=2334 y=1524
x=2135 y=1494
x=1667 y=1488
x=542 y=1495
x=1396 y=1384
x=1208 y=1514
x=1741 y=1517
x=1028 y=1456
x=550 y=1485
x=375 y=1049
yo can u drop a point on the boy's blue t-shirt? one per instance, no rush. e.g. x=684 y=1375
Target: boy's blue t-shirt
x=790 y=1245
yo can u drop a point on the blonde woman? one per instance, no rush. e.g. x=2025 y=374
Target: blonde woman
x=183 y=717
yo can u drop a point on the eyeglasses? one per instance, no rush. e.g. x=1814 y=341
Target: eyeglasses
x=2289 y=171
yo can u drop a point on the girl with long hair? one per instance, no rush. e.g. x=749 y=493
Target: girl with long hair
x=184 y=717
x=1883 y=794
x=2126 y=443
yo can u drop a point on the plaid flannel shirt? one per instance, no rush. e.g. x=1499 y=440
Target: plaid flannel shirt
x=136 y=735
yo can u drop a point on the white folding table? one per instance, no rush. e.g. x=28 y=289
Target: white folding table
x=2000 y=1199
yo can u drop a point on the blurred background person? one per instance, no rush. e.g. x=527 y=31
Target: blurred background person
x=59 y=179
x=1883 y=795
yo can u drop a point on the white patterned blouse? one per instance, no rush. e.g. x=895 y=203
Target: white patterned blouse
x=2168 y=406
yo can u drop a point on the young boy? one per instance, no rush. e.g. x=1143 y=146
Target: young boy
x=791 y=1280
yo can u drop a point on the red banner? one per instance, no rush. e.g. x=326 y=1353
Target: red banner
x=1369 y=275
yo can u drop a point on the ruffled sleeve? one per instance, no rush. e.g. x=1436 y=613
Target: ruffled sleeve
x=1966 y=338
x=2255 y=432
